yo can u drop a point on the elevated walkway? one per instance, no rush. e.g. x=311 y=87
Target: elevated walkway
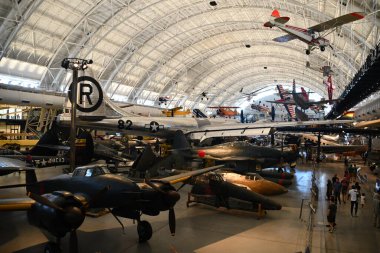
x=364 y=83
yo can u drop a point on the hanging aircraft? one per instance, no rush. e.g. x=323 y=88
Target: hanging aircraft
x=225 y=111
x=302 y=100
x=251 y=94
x=311 y=36
x=176 y=111
x=260 y=108
x=58 y=206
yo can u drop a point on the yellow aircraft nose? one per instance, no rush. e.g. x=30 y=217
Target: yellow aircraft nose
x=268 y=188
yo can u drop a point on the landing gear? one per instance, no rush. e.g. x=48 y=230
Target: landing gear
x=322 y=48
x=52 y=247
x=307 y=51
x=144 y=230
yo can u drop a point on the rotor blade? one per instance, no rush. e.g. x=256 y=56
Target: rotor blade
x=172 y=221
x=73 y=241
x=44 y=201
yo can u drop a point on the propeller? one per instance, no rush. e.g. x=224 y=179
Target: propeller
x=170 y=198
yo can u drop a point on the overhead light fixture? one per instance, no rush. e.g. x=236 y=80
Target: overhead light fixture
x=213 y=3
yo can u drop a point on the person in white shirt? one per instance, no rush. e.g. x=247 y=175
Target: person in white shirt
x=353 y=195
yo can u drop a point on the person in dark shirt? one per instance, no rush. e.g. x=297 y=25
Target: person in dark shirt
x=337 y=190
x=329 y=189
x=331 y=214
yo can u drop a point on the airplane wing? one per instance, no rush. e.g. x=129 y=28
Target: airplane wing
x=371 y=123
x=185 y=176
x=322 y=102
x=337 y=21
x=17 y=204
x=282 y=102
x=285 y=38
x=10 y=164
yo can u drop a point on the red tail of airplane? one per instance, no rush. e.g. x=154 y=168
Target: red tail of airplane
x=275 y=13
x=285 y=96
x=305 y=94
x=330 y=88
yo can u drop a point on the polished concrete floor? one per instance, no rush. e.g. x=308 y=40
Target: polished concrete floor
x=205 y=229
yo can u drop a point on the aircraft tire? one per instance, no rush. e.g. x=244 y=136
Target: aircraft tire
x=52 y=247
x=307 y=51
x=323 y=48
x=144 y=230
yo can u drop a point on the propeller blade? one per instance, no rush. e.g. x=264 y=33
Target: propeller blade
x=44 y=201
x=73 y=241
x=172 y=221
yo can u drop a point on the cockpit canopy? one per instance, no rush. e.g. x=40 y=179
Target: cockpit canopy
x=90 y=171
x=205 y=178
x=253 y=176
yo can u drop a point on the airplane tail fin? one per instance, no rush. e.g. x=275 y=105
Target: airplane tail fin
x=275 y=13
x=84 y=148
x=93 y=104
x=305 y=94
x=145 y=160
x=180 y=142
x=49 y=138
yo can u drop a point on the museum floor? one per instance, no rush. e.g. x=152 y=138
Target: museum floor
x=205 y=229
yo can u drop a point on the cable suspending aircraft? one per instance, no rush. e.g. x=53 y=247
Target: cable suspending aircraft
x=312 y=35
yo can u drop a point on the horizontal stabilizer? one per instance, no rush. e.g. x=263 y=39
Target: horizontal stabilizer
x=281 y=20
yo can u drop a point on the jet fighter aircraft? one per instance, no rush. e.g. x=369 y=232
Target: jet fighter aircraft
x=58 y=206
x=311 y=36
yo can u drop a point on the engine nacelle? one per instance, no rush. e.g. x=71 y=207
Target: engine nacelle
x=57 y=222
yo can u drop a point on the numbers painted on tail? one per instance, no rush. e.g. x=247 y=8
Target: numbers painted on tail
x=121 y=124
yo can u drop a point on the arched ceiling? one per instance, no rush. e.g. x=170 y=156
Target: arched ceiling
x=144 y=49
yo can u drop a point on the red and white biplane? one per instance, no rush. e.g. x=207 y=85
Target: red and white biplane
x=311 y=36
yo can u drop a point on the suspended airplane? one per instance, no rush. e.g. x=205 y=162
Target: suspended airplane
x=311 y=36
x=176 y=111
x=260 y=107
x=301 y=99
x=251 y=94
x=225 y=111
x=58 y=206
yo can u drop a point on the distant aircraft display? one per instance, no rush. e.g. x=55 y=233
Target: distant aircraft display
x=311 y=36
x=225 y=111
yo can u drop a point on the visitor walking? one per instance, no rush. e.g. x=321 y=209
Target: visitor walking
x=353 y=194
